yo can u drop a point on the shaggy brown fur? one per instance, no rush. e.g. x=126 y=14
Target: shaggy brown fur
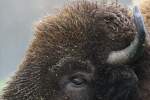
x=83 y=29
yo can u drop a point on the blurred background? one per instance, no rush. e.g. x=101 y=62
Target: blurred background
x=16 y=20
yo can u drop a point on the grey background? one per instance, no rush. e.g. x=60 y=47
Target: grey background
x=16 y=20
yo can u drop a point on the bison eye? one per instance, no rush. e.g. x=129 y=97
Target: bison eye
x=78 y=81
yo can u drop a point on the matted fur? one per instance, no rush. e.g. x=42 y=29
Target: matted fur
x=83 y=29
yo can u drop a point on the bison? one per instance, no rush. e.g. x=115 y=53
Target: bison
x=87 y=51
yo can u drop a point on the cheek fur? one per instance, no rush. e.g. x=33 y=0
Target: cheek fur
x=116 y=82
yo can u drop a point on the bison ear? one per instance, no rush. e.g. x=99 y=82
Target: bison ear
x=136 y=48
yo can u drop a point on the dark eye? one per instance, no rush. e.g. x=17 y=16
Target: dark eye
x=78 y=81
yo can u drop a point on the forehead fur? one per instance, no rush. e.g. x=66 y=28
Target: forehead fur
x=83 y=29
x=84 y=21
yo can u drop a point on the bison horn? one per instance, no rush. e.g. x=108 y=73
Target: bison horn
x=136 y=48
